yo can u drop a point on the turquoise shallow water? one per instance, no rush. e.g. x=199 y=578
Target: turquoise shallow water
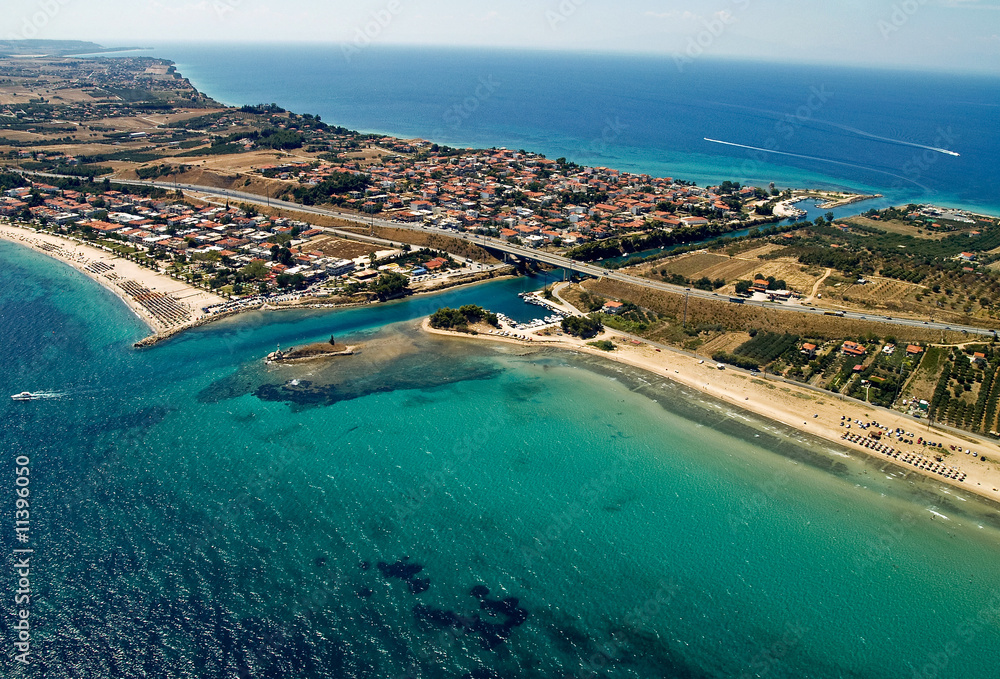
x=201 y=515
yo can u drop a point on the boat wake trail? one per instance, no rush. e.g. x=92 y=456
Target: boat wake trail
x=869 y=135
x=846 y=128
x=821 y=160
x=50 y=395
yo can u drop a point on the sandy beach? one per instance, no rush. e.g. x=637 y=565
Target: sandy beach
x=167 y=306
x=819 y=414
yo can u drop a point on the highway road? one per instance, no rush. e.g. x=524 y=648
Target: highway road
x=558 y=261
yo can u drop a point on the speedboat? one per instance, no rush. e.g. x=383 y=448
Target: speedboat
x=25 y=396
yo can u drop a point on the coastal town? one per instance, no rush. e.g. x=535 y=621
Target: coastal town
x=241 y=260
x=69 y=118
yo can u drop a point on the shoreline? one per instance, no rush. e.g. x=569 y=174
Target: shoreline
x=142 y=290
x=165 y=305
x=117 y=275
x=786 y=404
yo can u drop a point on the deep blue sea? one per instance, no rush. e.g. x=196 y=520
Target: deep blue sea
x=827 y=127
x=444 y=509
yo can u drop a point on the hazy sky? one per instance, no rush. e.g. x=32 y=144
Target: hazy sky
x=947 y=34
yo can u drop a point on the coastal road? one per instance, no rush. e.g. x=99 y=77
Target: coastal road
x=554 y=260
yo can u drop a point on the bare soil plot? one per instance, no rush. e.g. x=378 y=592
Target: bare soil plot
x=339 y=247
x=795 y=275
x=732 y=269
x=925 y=377
x=884 y=293
x=241 y=162
x=18 y=135
x=725 y=343
x=691 y=264
x=757 y=253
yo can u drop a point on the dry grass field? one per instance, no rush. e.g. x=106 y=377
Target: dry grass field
x=726 y=342
x=339 y=247
x=761 y=251
x=736 y=317
x=691 y=264
x=696 y=265
x=435 y=242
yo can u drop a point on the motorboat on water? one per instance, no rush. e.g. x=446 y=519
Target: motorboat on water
x=25 y=396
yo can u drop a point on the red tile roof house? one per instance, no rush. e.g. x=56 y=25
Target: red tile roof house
x=105 y=227
x=10 y=207
x=612 y=308
x=809 y=349
x=854 y=349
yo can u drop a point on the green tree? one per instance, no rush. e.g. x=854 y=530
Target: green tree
x=582 y=326
x=297 y=281
x=255 y=270
x=389 y=285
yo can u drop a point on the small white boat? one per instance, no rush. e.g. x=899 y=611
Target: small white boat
x=25 y=396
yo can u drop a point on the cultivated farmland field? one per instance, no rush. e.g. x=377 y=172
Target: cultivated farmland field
x=879 y=292
x=691 y=265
